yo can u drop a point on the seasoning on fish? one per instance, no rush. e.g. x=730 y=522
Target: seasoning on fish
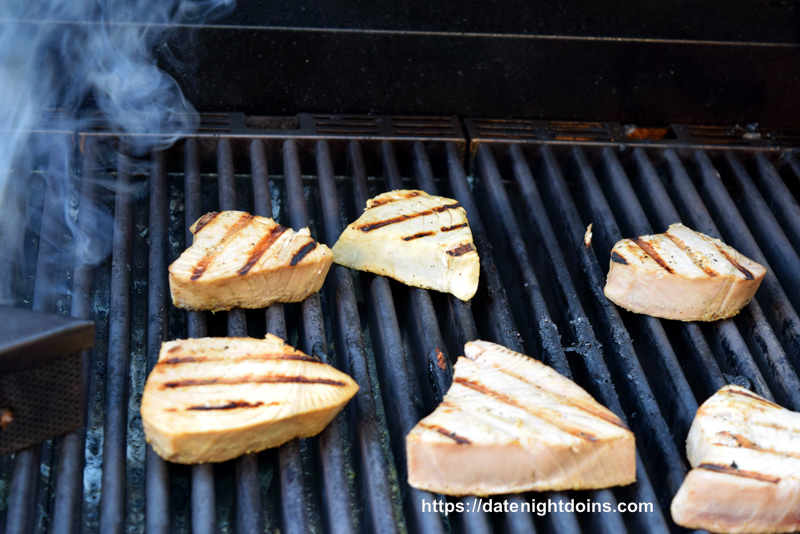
x=415 y=238
x=681 y=274
x=509 y=423
x=246 y=261
x=745 y=451
x=213 y=399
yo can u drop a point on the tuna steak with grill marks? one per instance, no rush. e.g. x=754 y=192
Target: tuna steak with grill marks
x=745 y=451
x=213 y=399
x=246 y=261
x=510 y=423
x=681 y=274
x=415 y=238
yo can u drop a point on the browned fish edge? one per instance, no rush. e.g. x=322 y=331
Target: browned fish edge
x=461 y=440
x=747 y=274
x=541 y=413
x=230 y=405
x=735 y=471
x=417 y=236
x=203 y=264
x=461 y=250
x=686 y=250
x=204 y=220
x=250 y=357
x=650 y=251
x=273 y=379
x=380 y=224
x=261 y=248
x=399 y=196
x=454 y=227
x=616 y=258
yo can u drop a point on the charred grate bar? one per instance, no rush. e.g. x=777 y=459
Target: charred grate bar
x=536 y=186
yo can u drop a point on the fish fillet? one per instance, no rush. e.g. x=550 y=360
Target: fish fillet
x=745 y=452
x=681 y=274
x=415 y=238
x=509 y=424
x=246 y=261
x=213 y=399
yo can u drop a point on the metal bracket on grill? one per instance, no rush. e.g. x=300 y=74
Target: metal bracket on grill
x=482 y=130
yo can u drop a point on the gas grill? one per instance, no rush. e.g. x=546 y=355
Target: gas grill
x=429 y=108
x=530 y=197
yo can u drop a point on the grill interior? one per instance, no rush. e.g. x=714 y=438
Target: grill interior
x=529 y=200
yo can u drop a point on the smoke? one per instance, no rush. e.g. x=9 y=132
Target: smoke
x=58 y=58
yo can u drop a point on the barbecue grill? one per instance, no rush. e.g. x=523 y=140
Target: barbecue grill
x=530 y=188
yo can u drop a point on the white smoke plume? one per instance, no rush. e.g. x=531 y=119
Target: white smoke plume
x=68 y=55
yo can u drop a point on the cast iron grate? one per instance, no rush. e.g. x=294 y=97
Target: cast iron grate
x=529 y=203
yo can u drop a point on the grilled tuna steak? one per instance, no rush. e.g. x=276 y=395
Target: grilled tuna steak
x=509 y=424
x=415 y=238
x=238 y=259
x=681 y=274
x=213 y=399
x=745 y=452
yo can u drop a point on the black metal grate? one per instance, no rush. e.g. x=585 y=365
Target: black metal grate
x=529 y=203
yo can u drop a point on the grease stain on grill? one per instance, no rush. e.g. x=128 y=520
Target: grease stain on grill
x=303 y=252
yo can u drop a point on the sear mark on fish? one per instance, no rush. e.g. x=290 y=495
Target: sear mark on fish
x=460 y=251
x=261 y=247
x=454 y=227
x=417 y=236
x=730 y=470
x=747 y=274
x=303 y=252
x=274 y=379
x=461 y=440
x=203 y=264
x=229 y=405
x=650 y=251
x=618 y=259
x=544 y=414
x=380 y=224
x=204 y=220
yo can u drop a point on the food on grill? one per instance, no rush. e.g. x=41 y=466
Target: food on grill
x=509 y=424
x=238 y=259
x=745 y=452
x=681 y=274
x=213 y=399
x=415 y=238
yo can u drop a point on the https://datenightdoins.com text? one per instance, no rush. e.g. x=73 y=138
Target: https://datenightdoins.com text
x=540 y=508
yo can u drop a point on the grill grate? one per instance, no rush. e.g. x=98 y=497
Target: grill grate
x=529 y=203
